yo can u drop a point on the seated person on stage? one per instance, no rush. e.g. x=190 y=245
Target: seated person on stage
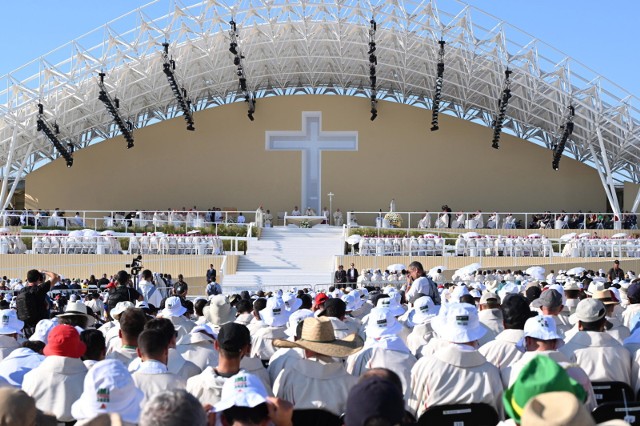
x=492 y=223
x=295 y=212
x=241 y=218
x=425 y=222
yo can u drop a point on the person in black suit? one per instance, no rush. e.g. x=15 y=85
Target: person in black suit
x=211 y=274
x=352 y=274
x=340 y=277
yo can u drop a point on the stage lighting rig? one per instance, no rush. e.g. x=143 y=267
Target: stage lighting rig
x=180 y=93
x=567 y=130
x=373 y=62
x=503 y=102
x=435 y=111
x=113 y=107
x=52 y=132
x=234 y=48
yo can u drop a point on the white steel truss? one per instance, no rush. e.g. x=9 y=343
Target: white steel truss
x=316 y=47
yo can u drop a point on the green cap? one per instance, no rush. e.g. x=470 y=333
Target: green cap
x=540 y=375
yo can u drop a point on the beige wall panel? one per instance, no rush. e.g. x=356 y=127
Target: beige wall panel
x=224 y=164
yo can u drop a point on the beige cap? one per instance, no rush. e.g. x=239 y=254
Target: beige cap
x=559 y=409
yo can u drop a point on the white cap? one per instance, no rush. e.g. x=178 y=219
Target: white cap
x=275 y=314
x=9 y=322
x=173 y=307
x=351 y=302
x=294 y=319
x=542 y=327
x=242 y=390
x=109 y=388
x=43 y=328
x=458 y=323
x=382 y=322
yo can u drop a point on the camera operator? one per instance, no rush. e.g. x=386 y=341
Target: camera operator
x=31 y=302
x=123 y=292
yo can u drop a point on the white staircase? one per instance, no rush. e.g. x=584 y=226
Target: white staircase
x=287 y=256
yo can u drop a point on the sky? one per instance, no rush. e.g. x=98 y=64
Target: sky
x=604 y=36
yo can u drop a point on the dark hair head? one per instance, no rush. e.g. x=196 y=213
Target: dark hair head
x=378 y=296
x=595 y=325
x=307 y=303
x=146 y=274
x=335 y=308
x=35 y=345
x=132 y=322
x=153 y=342
x=246 y=415
x=467 y=298
x=74 y=320
x=244 y=306
x=516 y=311
x=259 y=304
x=96 y=345
x=198 y=306
x=33 y=276
x=123 y=277
x=163 y=325
x=417 y=265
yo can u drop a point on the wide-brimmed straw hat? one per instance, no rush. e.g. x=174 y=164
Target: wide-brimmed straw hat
x=318 y=336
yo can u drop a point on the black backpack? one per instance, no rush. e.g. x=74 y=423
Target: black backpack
x=31 y=306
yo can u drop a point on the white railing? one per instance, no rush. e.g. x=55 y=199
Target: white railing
x=495 y=220
x=120 y=244
x=180 y=221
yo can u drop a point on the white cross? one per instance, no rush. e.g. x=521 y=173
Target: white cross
x=311 y=141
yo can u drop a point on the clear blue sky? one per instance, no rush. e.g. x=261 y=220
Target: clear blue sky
x=604 y=36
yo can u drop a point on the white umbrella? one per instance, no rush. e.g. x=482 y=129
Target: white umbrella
x=76 y=233
x=620 y=235
x=470 y=235
x=89 y=233
x=568 y=237
x=535 y=270
x=534 y=236
x=434 y=270
x=396 y=267
x=354 y=239
x=108 y=232
x=467 y=270
x=52 y=232
x=195 y=231
x=576 y=271
x=584 y=235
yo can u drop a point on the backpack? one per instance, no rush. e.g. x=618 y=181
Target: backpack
x=31 y=306
x=213 y=289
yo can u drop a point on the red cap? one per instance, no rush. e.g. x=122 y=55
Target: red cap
x=321 y=298
x=64 y=340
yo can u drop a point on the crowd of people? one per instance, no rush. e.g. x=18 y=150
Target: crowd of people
x=529 y=349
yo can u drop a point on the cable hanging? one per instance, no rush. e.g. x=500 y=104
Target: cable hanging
x=373 y=62
x=113 y=107
x=503 y=102
x=52 y=132
x=567 y=130
x=438 y=91
x=234 y=48
x=180 y=93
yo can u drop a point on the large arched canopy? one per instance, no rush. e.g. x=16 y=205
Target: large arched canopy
x=316 y=47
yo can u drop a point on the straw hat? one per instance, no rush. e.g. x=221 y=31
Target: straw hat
x=78 y=309
x=318 y=336
x=559 y=409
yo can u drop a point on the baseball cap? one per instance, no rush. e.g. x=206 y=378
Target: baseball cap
x=551 y=298
x=232 y=337
x=320 y=299
x=541 y=327
x=590 y=310
x=374 y=397
x=488 y=296
x=633 y=291
x=242 y=390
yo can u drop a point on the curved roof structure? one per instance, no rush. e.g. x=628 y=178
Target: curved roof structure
x=316 y=47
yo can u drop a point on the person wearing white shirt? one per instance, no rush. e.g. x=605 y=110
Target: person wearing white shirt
x=153 y=376
x=337 y=218
x=421 y=285
x=600 y=355
x=241 y=218
x=456 y=373
x=148 y=289
x=295 y=212
x=425 y=222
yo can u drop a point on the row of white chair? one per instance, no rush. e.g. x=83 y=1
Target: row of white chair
x=602 y=248
x=200 y=245
x=75 y=245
